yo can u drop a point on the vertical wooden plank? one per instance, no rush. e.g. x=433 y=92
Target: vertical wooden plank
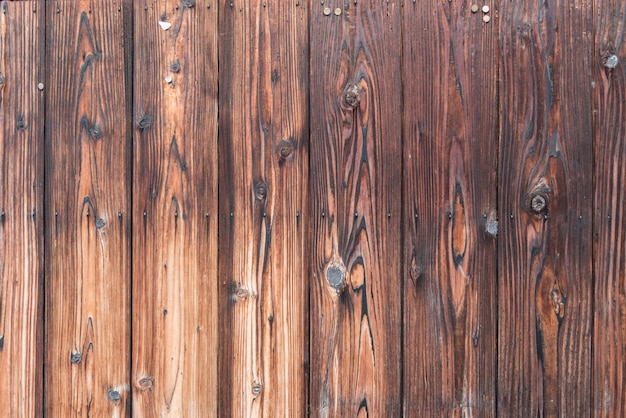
x=263 y=187
x=356 y=177
x=609 y=90
x=21 y=208
x=87 y=208
x=175 y=209
x=450 y=210
x=545 y=201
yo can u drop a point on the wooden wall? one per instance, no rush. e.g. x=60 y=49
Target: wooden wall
x=330 y=208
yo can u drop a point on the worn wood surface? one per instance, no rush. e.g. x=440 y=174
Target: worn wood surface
x=21 y=209
x=545 y=202
x=609 y=92
x=87 y=208
x=450 y=210
x=263 y=208
x=174 y=370
x=356 y=177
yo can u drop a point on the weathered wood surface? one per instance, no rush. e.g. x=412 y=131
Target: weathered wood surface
x=450 y=210
x=174 y=370
x=545 y=203
x=356 y=177
x=609 y=92
x=21 y=209
x=263 y=271
x=87 y=210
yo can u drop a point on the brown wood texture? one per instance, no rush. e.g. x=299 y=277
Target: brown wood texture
x=545 y=203
x=609 y=92
x=450 y=210
x=174 y=370
x=356 y=177
x=264 y=280
x=21 y=209
x=87 y=210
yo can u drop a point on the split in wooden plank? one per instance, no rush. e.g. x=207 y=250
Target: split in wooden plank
x=21 y=209
x=356 y=177
x=263 y=209
x=175 y=327
x=450 y=219
x=545 y=202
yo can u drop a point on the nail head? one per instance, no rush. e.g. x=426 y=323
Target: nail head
x=40 y=86
x=337 y=11
x=485 y=9
x=326 y=11
x=486 y=18
x=474 y=8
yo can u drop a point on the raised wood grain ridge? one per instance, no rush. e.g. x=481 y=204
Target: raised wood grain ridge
x=87 y=210
x=174 y=368
x=264 y=280
x=356 y=177
x=545 y=202
x=609 y=92
x=450 y=214
x=21 y=209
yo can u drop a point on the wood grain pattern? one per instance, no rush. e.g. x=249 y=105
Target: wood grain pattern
x=356 y=177
x=87 y=210
x=609 y=92
x=21 y=209
x=263 y=208
x=545 y=202
x=175 y=344
x=450 y=210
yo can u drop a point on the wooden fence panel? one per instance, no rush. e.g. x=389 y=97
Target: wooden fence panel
x=450 y=209
x=21 y=208
x=356 y=177
x=175 y=209
x=263 y=206
x=609 y=89
x=87 y=208
x=545 y=202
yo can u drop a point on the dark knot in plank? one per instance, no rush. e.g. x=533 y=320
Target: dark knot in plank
x=260 y=190
x=336 y=277
x=351 y=96
x=114 y=395
x=538 y=203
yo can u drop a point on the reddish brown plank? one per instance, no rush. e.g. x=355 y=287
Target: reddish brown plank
x=174 y=370
x=356 y=177
x=609 y=90
x=21 y=208
x=87 y=210
x=545 y=204
x=450 y=209
x=263 y=208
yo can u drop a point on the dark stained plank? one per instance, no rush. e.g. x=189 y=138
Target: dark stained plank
x=545 y=203
x=87 y=210
x=263 y=183
x=174 y=355
x=356 y=177
x=609 y=82
x=450 y=220
x=21 y=208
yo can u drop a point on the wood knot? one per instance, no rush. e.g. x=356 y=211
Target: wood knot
x=145 y=383
x=239 y=295
x=3 y=79
x=336 y=276
x=286 y=149
x=611 y=61
x=260 y=190
x=145 y=123
x=20 y=124
x=416 y=272
x=351 y=96
x=75 y=357
x=114 y=395
x=100 y=223
x=257 y=387
x=175 y=66
x=538 y=203
x=492 y=227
